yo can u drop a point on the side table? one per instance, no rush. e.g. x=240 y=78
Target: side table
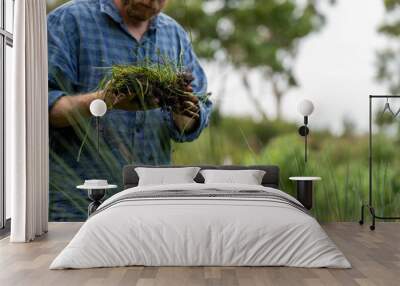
x=95 y=194
x=305 y=190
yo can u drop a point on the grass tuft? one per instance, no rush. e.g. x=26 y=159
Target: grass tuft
x=146 y=82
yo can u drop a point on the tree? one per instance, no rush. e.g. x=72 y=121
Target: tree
x=388 y=59
x=262 y=35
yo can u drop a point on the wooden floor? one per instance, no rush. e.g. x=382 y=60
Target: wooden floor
x=375 y=257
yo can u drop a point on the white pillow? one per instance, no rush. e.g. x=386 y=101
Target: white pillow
x=248 y=177
x=166 y=176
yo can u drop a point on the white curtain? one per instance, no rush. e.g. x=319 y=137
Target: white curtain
x=27 y=124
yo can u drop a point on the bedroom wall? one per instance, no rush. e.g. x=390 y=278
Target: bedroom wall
x=333 y=58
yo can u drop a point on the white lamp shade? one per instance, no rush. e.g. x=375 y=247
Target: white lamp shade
x=305 y=107
x=98 y=107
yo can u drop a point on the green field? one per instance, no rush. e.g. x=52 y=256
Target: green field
x=342 y=162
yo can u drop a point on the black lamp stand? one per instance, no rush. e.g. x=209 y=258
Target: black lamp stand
x=304 y=131
x=98 y=134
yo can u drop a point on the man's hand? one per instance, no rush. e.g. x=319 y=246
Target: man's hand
x=129 y=102
x=189 y=107
x=187 y=116
x=189 y=103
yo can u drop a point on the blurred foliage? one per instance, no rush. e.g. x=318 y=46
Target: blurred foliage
x=228 y=141
x=383 y=119
x=263 y=35
x=391 y=4
x=388 y=59
x=250 y=33
x=342 y=162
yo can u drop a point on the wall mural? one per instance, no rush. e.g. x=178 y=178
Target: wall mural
x=166 y=89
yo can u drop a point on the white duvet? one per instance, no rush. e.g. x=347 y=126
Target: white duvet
x=200 y=232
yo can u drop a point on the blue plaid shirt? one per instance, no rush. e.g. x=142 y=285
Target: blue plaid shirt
x=85 y=38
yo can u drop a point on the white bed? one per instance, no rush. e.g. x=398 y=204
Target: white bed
x=201 y=231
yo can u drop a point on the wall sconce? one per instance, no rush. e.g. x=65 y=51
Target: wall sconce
x=305 y=108
x=98 y=108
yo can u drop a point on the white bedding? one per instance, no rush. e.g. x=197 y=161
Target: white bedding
x=200 y=231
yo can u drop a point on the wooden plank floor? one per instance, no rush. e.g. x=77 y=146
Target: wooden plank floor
x=375 y=257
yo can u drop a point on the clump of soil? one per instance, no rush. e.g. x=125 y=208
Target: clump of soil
x=144 y=82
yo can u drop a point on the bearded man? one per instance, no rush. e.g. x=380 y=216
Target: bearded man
x=86 y=38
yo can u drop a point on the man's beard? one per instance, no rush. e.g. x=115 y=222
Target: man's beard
x=139 y=12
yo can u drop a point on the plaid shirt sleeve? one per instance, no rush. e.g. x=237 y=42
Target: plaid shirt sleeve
x=199 y=84
x=62 y=51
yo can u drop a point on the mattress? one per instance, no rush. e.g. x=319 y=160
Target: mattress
x=201 y=225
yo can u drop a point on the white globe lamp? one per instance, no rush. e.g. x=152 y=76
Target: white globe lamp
x=98 y=108
x=305 y=107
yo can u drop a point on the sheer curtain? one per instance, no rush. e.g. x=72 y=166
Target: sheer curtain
x=27 y=124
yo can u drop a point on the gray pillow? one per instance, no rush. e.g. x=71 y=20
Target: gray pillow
x=247 y=177
x=166 y=176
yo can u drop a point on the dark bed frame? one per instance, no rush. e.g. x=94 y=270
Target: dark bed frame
x=270 y=179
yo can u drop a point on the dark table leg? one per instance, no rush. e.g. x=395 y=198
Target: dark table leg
x=95 y=196
x=305 y=193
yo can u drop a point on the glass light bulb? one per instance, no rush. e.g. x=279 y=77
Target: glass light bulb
x=305 y=107
x=98 y=108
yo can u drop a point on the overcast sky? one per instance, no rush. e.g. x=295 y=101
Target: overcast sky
x=335 y=69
